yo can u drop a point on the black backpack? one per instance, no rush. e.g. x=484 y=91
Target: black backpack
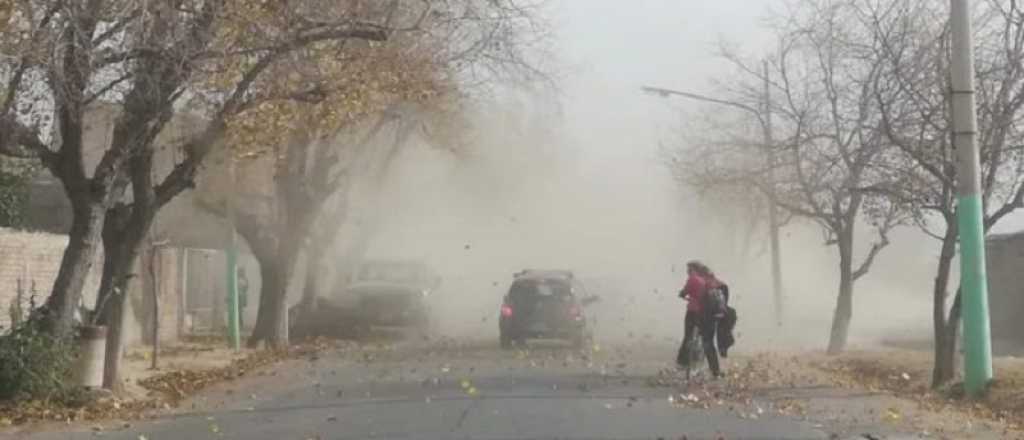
x=716 y=300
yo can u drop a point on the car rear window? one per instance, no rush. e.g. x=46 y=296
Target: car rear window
x=525 y=289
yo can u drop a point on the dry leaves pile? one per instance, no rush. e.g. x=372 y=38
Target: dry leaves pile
x=906 y=374
x=177 y=385
x=100 y=409
x=168 y=390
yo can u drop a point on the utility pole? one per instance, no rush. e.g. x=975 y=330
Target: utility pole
x=764 y=116
x=773 y=210
x=970 y=215
x=231 y=255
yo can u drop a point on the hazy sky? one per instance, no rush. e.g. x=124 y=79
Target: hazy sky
x=612 y=47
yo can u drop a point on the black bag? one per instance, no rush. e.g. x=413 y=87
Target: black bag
x=726 y=325
x=716 y=301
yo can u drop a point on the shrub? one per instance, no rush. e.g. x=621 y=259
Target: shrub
x=37 y=365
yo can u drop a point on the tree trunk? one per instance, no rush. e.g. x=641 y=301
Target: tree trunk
x=123 y=233
x=87 y=220
x=271 y=317
x=844 y=303
x=944 y=368
x=115 y=342
x=946 y=359
x=315 y=266
x=311 y=289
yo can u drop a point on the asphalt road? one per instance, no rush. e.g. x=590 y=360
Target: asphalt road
x=448 y=390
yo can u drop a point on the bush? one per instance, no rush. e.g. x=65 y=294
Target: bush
x=37 y=365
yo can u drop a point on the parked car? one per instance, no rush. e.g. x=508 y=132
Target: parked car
x=385 y=293
x=391 y=304
x=544 y=304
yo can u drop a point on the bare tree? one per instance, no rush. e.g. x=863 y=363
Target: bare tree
x=914 y=101
x=827 y=138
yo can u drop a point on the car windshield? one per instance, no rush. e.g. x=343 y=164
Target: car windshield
x=496 y=219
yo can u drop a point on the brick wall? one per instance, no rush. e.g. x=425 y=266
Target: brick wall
x=33 y=259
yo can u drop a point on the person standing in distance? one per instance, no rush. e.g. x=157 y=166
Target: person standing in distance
x=695 y=291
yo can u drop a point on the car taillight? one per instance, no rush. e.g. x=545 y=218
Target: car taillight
x=506 y=310
x=574 y=311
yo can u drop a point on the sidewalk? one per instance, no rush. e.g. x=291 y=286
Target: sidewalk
x=183 y=369
x=907 y=374
x=849 y=395
x=196 y=354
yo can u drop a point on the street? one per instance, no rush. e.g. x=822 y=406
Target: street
x=451 y=390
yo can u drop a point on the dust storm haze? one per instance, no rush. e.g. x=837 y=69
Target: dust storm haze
x=578 y=181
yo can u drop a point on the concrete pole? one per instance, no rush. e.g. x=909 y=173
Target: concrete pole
x=234 y=332
x=773 y=209
x=970 y=215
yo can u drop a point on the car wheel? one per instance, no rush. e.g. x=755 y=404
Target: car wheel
x=506 y=341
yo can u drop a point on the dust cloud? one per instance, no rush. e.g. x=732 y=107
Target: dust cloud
x=528 y=195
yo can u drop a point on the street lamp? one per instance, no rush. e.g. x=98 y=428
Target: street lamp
x=764 y=117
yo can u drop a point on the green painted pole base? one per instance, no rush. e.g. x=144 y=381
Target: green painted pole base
x=974 y=288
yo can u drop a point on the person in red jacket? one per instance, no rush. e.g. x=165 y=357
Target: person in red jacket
x=699 y=279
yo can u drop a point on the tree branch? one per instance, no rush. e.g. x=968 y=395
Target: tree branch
x=14 y=83
x=183 y=174
x=19 y=141
x=108 y=87
x=117 y=27
x=876 y=247
x=1016 y=203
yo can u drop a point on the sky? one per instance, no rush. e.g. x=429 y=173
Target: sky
x=612 y=47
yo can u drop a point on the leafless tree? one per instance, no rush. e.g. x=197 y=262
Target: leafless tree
x=827 y=136
x=914 y=101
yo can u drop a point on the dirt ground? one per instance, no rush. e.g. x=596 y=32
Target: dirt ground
x=182 y=370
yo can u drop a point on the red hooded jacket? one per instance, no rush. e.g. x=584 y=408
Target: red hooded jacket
x=695 y=289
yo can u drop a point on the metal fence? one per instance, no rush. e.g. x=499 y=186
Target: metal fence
x=204 y=301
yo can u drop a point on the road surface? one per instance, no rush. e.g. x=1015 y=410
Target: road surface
x=450 y=390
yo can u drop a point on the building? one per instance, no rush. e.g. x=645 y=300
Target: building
x=188 y=265
x=1005 y=258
